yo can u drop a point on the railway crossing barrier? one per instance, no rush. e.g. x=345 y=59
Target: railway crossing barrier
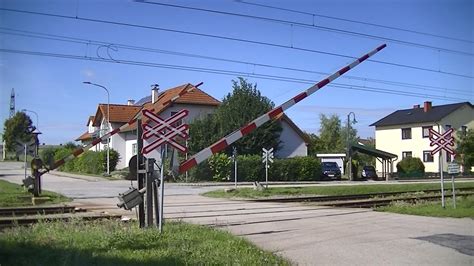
x=272 y=114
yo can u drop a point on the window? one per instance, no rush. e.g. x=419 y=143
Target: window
x=406 y=154
x=426 y=131
x=464 y=130
x=406 y=133
x=427 y=156
x=134 y=149
x=178 y=123
x=448 y=158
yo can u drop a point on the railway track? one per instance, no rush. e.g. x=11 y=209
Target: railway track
x=369 y=200
x=14 y=216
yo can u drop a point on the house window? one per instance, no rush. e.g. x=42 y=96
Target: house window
x=134 y=149
x=426 y=131
x=178 y=123
x=463 y=130
x=448 y=157
x=427 y=157
x=406 y=133
x=406 y=154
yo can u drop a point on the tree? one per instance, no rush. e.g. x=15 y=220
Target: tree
x=244 y=104
x=330 y=134
x=315 y=144
x=17 y=128
x=465 y=149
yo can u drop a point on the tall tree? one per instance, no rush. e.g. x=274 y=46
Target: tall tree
x=17 y=128
x=465 y=149
x=330 y=133
x=244 y=104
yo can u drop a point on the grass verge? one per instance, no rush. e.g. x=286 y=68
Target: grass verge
x=13 y=195
x=464 y=208
x=115 y=243
x=330 y=190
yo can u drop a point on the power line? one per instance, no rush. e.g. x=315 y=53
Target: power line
x=229 y=72
x=154 y=50
x=356 y=21
x=233 y=39
x=311 y=26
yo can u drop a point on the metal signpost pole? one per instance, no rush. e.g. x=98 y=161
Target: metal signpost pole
x=442 y=178
x=141 y=206
x=149 y=193
x=266 y=170
x=234 y=154
x=162 y=190
x=26 y=165
x=454 y=192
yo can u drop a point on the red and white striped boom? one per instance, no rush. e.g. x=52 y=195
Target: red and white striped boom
x=245 y=130
x=80 y=150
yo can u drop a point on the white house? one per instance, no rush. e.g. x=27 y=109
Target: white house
x=406 y=132
x=197 y=102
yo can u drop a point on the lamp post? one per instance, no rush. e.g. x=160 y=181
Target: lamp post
x=36 y=114
x=36 y=132
x=108 y=120
x=349 y=154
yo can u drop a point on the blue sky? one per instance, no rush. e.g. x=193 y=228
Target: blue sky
x=52 y=86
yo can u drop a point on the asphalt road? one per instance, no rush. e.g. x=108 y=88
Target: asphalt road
x=307 y=235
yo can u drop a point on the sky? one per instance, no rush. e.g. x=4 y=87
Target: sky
x=49 y=48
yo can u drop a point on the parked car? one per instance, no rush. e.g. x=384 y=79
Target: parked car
x=330 y=170
x=368 y=172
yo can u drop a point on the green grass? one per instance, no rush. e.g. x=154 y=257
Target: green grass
x=329 y=190
x=464 y=208
x=115 y=243
x=13 y=195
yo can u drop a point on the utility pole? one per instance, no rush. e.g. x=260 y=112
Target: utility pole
x=349 y=153
x=12 y=103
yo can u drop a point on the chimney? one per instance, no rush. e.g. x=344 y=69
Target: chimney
x=427 y=107
x=154 y=92
x=130 y=102
x=416 y=106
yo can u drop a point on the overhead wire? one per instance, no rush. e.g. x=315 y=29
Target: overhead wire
x=31 y=34
x=227 y=72
x=232 y=39
x=311 y=26
x=356 y=21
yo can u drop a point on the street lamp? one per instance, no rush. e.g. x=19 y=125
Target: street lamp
x=349 y=155
x=108 y=120
x=36 y=114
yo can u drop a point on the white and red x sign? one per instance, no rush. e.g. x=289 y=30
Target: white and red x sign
x=444 y=141
x=164 y=131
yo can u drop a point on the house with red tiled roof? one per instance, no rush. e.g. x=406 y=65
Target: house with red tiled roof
x=196 y=101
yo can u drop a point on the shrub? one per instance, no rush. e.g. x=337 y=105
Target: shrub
x=114 y=157
x=202 y=172
x=410 y=165
x=61 y=154
x=250 y=168
x=47 y=155
x=220 y=165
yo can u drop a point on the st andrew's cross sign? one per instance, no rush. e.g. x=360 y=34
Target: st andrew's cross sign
x=443 y=141
x=165 y=131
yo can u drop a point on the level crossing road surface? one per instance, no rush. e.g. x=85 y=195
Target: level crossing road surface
x=305 y=234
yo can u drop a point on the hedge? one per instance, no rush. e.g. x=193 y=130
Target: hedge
x=250 y=168
x=89 y=162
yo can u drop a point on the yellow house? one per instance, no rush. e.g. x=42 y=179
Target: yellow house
x=406 y=132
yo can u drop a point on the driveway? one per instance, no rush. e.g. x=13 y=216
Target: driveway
x=307 y=235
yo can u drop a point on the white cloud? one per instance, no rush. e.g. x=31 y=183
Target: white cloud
x=87 y=73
